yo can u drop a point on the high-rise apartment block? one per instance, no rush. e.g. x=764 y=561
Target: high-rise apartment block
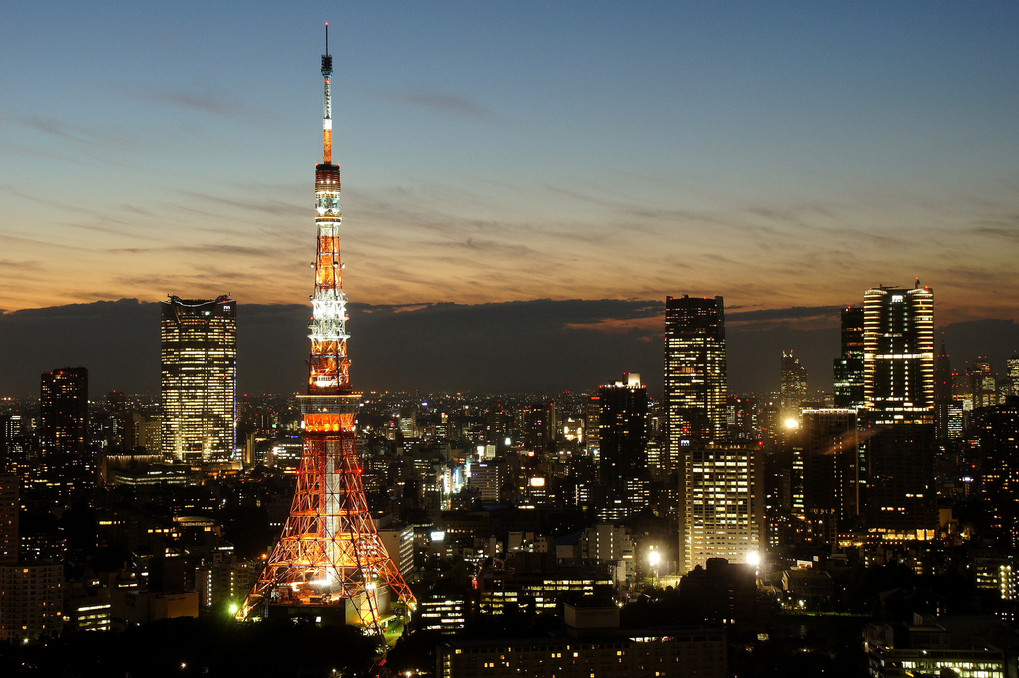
x=66 y=461
x=695 y=377
x=898 y=354
x=722 y=503
x=199 y=378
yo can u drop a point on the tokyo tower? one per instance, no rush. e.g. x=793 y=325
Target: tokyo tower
x=329 y=562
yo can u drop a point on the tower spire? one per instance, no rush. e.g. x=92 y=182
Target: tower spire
x=327 y=117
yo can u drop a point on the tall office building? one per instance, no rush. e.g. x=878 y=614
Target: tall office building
x=623 y=436
x=66 y=461
x=1012 y=371
x=722 y=503
x=901 y=496
x=794 y=384
x=899 y=394
x=984 y=382
x=898 y=354
x=848 y=368
x=695 y=381
x=199 y=378
x=830 y=468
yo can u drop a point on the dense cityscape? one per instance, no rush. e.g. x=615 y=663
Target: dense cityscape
x=869 y=530
x=848 y=531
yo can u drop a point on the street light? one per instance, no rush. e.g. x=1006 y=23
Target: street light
x=654 y=559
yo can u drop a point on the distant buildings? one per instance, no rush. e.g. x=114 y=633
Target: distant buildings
x=199 y=377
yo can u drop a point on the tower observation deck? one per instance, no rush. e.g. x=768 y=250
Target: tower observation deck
x=329 y=562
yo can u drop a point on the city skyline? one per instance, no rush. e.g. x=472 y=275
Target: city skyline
x=781 y=157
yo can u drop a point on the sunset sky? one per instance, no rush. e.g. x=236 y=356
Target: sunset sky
x=779 y=154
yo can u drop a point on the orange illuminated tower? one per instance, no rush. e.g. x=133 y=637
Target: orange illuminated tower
x=330 y=562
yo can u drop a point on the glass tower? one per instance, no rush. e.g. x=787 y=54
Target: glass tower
x=199 y=377
x=695 y=384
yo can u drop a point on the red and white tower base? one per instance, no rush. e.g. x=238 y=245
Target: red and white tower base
x=330 y=561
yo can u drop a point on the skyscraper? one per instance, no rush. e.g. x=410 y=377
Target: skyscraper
x=199 y=378
x=1012 y=371
x=794 y=384
x=830 y=468
x=848 y=368
x=898 y=355
x=984 y=382
x=898 y=365
x=942 y=392
x=695 y=381
x=63 y=436
x=623 y=436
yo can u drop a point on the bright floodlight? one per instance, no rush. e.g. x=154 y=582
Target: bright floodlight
x=792 y=423
x=654 y=558
x=754 y=558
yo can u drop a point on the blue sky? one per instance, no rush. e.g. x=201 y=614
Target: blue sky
x=779 y=154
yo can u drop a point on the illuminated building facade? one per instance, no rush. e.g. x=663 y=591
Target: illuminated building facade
x=63 y=436
x=330 y=563
x=1012 y=371
x=199 y=379
x=984 y=383
x=898 y=354
x=898 y=360
x=722 y=504
x=695 y=375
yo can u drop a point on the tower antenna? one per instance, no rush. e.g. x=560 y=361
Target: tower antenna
x=327 y=115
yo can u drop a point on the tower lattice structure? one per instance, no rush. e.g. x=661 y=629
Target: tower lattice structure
x=330 y=558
